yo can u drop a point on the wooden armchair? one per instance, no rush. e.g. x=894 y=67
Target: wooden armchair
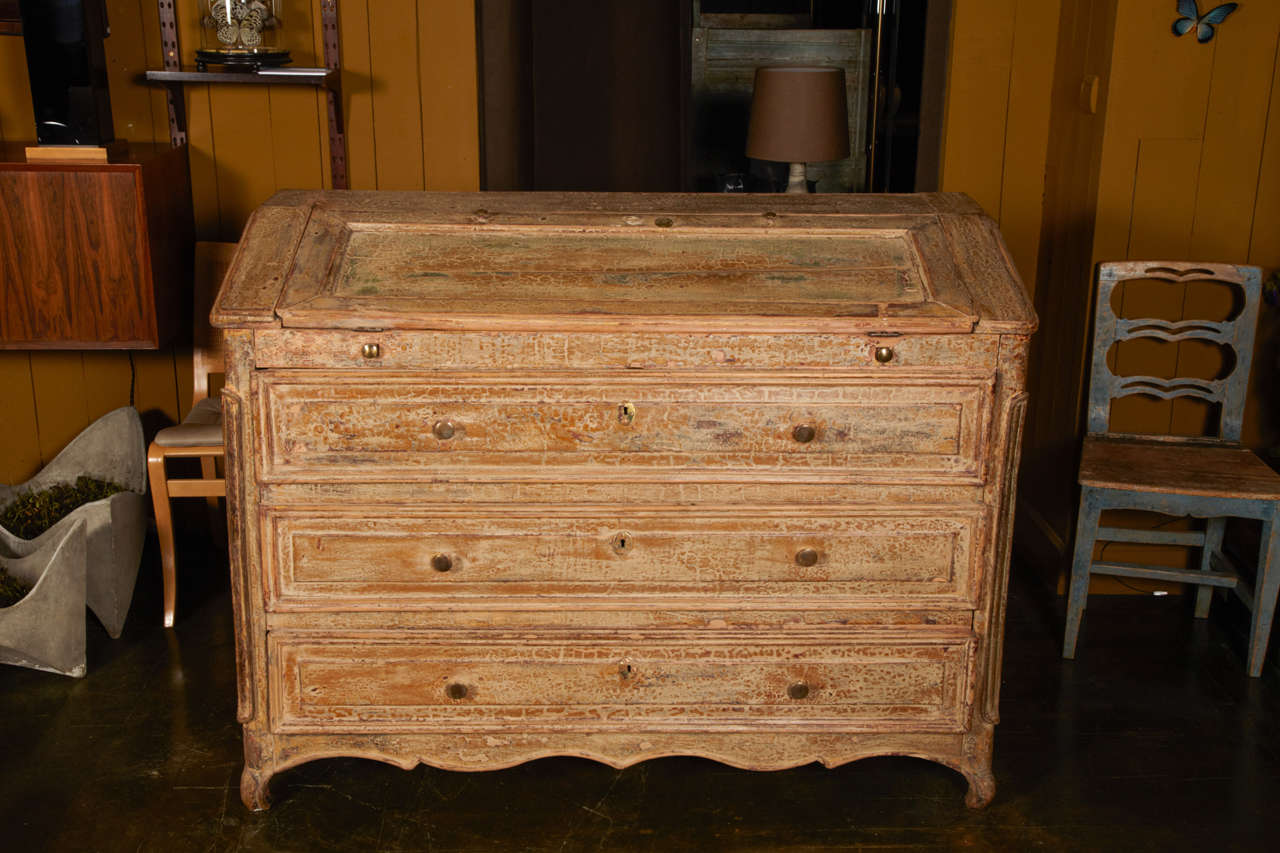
x=1211 y=478
x=200 y=434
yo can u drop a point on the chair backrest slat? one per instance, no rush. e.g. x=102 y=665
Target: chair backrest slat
x=1236 y=333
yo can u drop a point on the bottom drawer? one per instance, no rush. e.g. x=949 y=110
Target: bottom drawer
x=685 y=682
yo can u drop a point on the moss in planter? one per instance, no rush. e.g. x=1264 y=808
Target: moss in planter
x=32 y=513
x=12 y=590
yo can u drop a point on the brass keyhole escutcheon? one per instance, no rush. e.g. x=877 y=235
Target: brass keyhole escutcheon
x=799 y=690
x=626 y=671
x=456 y=691
x=804 y=433
x=443 y=430
x=806 y=557
x=884 y=355
x=371 y=351
x=621 y=542
x=442 y=562
x=626 y=413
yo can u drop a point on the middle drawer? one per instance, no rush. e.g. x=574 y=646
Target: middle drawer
x=912 y=557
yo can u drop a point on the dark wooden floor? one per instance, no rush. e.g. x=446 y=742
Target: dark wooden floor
x=1153 y=739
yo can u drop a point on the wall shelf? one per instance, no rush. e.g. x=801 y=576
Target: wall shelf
x=325 y=78
x=174 y=77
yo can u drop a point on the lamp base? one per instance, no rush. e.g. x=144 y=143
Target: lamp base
x=796 y=181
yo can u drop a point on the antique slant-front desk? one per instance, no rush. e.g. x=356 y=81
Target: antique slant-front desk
x=620 y=476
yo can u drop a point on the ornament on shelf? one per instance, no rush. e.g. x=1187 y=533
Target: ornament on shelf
x=240 y=33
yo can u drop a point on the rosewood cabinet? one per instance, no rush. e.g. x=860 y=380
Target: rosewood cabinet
x=95 y=255
x=620 y=476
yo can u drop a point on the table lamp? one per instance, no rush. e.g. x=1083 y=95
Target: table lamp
x=798 y=116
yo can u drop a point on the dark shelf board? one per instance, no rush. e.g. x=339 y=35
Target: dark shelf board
x=326 y=78
x=262 y=77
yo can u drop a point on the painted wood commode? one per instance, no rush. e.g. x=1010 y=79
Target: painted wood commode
x=620 y=476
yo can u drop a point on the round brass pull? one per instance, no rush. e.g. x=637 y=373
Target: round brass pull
x=456 y=691
x=443 y=430
x=806 y=557
x=799 y=690
x=442 y=562
x=884 y=355
x=804 y=433
x=371 y=351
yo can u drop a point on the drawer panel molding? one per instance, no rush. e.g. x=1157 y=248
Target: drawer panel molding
x=682 y=683
x=398 y=561
x=344 y=427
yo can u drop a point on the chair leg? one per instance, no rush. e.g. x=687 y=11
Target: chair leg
x=1264 y=593
x=1212 y=542
x=164 y=527
x=1082 y=559
x=217 y=526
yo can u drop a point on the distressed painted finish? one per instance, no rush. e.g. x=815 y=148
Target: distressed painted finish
x=703 y=682
x=1211 y=478
x=529 y=521
x=468 y=351
x=326 y=426
x=349 y=560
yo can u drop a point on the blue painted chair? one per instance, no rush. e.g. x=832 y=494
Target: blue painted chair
x=1211 y=478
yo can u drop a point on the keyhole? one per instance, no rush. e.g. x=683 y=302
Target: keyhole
x=621 y=542
x=626 y=413
x=625 y=670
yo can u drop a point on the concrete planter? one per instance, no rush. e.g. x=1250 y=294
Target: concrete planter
x=111 y=448
x=45 y=630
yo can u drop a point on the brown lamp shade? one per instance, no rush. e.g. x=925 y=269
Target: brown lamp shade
x=798 y=115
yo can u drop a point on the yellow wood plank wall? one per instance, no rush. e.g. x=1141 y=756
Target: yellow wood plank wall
x=1191 y=139
x=997 y=110
x=409 y=75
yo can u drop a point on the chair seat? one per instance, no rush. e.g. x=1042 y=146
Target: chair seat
x=1172 y=467
x=202 y=427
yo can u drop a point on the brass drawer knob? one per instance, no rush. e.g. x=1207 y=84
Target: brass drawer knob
x=442 y=562
x=443 y=430
x=804 y=433
x=371 y=351
x=884 y=355
x=806 y=557
x=456 y=690
x=799 y=690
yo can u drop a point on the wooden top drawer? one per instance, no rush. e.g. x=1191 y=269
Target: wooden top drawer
x=685 y=682
x=903 y=556
x=350 y=427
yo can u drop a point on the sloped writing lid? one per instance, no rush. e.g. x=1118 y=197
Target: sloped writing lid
x=596 y=261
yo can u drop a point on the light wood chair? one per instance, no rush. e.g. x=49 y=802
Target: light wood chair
x=1214 y=478
x=199 y=436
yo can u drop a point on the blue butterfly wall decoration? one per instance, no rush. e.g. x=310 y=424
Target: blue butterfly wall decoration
x=1203 y=24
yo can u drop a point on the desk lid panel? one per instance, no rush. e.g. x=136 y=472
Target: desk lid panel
x=500 y=261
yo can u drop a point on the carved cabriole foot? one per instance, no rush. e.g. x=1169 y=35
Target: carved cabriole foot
x=259 y=767
x=977 y=765
x=254 y=791
x=982 y=787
